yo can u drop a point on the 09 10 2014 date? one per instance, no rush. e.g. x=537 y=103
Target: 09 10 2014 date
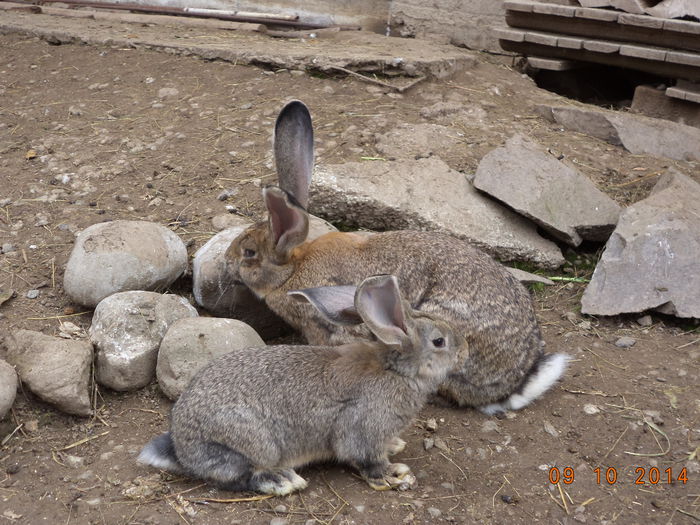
x=643 y=475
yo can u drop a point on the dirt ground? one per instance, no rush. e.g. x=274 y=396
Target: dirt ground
x=86 y=137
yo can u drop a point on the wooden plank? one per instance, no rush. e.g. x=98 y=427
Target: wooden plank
x=602 y=30
x=524 y=7
x=547 y=39
x=678 y=57
x=553 y=64
x=665 y=69
x=601 y=46
x=591 y=13
x=569 y=42
x=554 y=9
x=685 y=91
x=514 y=35
x=682 y=26
x=640 y=21
x=650 y=53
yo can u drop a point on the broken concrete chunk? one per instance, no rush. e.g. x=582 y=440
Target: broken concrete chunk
x=636 y=133
x=652 y=259
x=426 y=195
x=57 y=370
x=117 y=256
x=189 y=344
x=127 y=329
x=675 y=9
x=554 y=195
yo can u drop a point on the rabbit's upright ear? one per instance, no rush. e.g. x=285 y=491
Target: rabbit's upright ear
x=294 y=150
x=288 y=222
x=378 y=301
x=335 y=303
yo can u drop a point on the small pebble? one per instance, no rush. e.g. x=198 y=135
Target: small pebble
x=434 y=512
x=278 y=521
x=431 y=424
x=8 y=248
x=32 y=294
x=428 y=443
x=625 y=342
x=590 y=409
x=280 y=508
x=505 y=498
x=645 y=321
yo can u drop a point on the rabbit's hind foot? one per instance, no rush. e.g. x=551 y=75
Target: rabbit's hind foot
x=277 y=482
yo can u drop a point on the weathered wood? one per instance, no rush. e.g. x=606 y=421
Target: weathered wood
x=650 y=53
x=669 y=69
x=601 y=46
x=670 y=36
x=685 y=91
x=554 y=9
x=525 y=7
x=597 y=14
x=678 y=57
x=541 y=38
x=640 y=21
x=553 y=64
x=516 y=35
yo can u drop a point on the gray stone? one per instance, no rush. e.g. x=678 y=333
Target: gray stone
x=8 y=387
x=528 y=278
x=552 y=194
x=645 y=321
x=32 y=294
x=652 y=259
x=189 y=344
x=636 y=133
x=390 y=196
x=228 y=220
x=417 y=140
x=214 y=286
x=127 y=329
x=625 y=342
x=434 y=512
x=8 y=248
x=57 y=370
x=117 y=256
x=168 y=92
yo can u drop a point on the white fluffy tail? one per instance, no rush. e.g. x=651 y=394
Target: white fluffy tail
x=545 y=373
x=160 y=453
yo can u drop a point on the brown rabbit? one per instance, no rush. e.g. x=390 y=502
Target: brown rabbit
x=437 y=273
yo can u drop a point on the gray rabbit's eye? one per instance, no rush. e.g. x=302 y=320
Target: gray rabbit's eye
x=248 y=253
x=439 y=342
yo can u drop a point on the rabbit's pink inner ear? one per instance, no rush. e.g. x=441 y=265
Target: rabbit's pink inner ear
x=288 y=223
x=378 y=301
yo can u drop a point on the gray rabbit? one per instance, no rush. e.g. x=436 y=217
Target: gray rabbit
x=250 y=417
x=437 y=273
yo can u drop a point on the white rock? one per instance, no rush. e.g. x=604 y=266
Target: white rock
x=189 y=344
x=117 y=256
x=57 y=370
x=8 y=387
x=127 y=329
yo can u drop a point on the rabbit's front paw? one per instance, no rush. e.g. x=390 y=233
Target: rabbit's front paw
x=395 y=445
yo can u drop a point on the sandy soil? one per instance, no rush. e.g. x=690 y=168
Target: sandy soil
x=85 y=137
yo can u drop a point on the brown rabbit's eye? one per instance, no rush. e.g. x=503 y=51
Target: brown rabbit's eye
x=439 y=342
x=248 y=253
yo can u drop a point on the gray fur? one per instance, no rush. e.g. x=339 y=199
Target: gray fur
x=437 y=273
x=250 y=417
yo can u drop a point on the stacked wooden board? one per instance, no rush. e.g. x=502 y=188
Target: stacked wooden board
x=666 y=47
